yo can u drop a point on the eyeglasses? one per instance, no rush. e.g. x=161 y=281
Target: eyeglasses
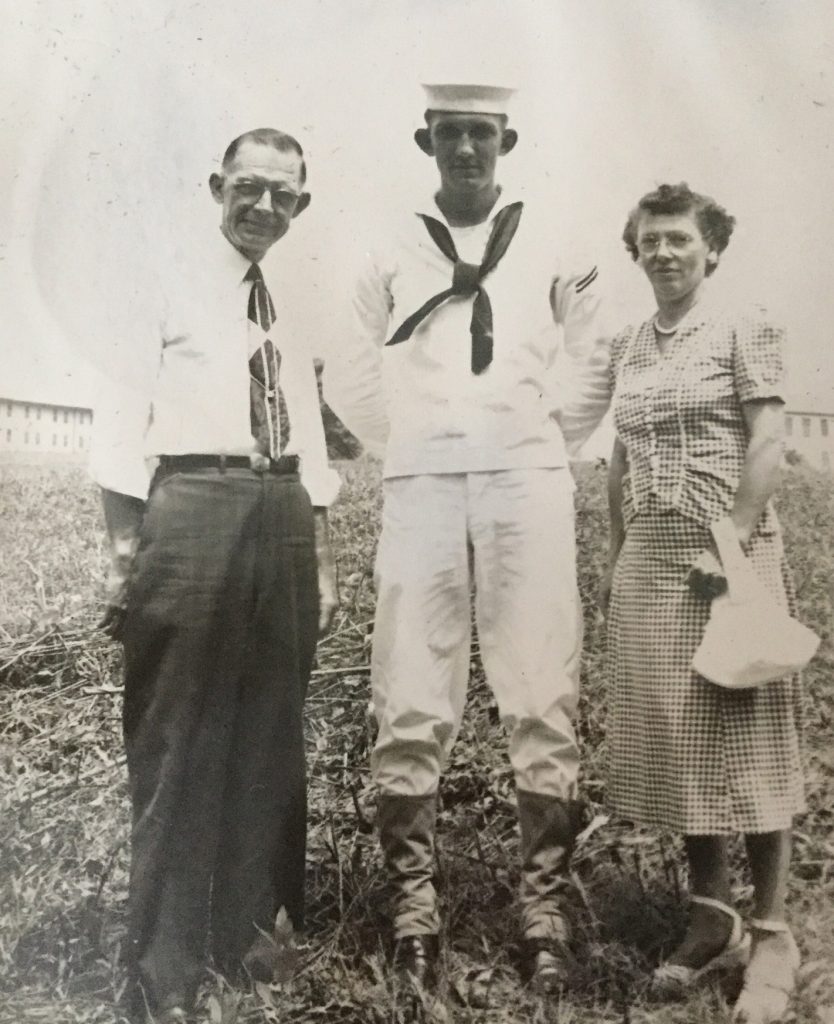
x=676 y=241
x=251 y=191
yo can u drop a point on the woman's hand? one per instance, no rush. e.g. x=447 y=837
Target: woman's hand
x=706 y=578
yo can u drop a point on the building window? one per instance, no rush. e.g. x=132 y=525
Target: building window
x=54 y=440
x=66 y=440
x=788 y=426
x=26 y=411
x=8 y=408
x=80 y=442
x=8 y=435
x=37 y=438
x=66 y=416
x=806 y=426
x=26 y=439
x=824 y=427
x=38 y=412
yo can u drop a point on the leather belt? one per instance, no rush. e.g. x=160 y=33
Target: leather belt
x=282 y=466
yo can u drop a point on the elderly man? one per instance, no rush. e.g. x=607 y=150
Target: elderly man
x=452 y=375
x=221 y=580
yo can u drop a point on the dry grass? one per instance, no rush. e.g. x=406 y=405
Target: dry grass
x=64 y=813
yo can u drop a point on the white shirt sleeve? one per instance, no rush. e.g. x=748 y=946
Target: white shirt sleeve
x=586 y=392
x=125 y=388
x=122 y=411
x=353 y=370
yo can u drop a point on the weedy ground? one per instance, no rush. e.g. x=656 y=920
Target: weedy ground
x=64 y=810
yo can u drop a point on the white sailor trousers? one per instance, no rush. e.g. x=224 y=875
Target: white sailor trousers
x=520 y=526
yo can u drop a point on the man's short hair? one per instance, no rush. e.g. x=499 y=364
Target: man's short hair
x=281 y=141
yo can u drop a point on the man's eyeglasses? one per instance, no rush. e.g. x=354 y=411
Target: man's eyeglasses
x=252 y=191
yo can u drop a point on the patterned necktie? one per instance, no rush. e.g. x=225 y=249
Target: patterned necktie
x=267 y=408
x=466 y=280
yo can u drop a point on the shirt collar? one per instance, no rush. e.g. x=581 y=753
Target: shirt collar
x=232 y=264
x=430 y=208
x=235 y=263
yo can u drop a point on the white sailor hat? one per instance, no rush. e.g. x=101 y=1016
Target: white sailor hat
x=468 y=99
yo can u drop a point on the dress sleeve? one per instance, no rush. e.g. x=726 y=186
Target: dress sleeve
x=757 y=360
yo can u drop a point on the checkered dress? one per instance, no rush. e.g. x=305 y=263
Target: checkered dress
x=685 y=754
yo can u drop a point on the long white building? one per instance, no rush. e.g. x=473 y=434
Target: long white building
x=39 y=433
x=811 y=435
x=42 y=433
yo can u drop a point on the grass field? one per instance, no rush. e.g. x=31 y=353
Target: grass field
x=64 y=811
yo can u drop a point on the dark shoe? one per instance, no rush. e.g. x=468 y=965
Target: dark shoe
x=547 y=965
x=415 y=961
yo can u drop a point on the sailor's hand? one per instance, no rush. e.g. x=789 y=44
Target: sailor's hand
x=328 y=596
x=328 y=579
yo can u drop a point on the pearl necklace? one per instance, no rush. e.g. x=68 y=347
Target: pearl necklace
x=663 y=330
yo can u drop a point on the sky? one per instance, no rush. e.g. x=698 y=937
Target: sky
x=114 y=117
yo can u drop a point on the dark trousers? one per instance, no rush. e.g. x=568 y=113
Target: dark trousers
x=219 y=641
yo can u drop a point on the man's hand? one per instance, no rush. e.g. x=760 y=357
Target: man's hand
x=706 y=578
x=123 y=515
x=115 y=596
x=328 y=581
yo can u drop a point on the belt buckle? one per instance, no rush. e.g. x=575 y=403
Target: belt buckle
x=259 y=462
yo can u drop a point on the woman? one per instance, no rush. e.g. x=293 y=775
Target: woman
x=698 y=414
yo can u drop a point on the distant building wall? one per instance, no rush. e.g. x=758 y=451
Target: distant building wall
x=33 y=433
x=811 y=435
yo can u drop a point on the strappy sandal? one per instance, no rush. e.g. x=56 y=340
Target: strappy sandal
x=672 y=980
x=770 y=977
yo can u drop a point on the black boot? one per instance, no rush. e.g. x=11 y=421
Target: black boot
x=549 y=826
x=406 y=835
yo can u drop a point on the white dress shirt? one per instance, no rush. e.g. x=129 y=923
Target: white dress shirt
x=195 y=399
x=418 y=402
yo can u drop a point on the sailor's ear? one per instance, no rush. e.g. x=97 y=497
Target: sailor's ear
x=423 y=139
x=509 y=137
